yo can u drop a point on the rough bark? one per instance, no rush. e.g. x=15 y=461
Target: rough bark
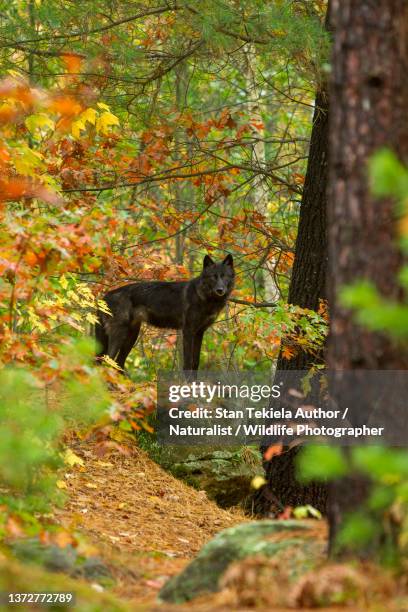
x=307 y=285
x=307 y=288
x=369 y=101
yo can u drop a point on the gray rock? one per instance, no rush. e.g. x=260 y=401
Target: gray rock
x=202 y=575
x=57 y=559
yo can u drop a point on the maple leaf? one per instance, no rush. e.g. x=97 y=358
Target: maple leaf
x=105 y=121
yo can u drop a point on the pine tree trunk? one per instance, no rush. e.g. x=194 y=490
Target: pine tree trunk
x=307 y=288
x=369 y=102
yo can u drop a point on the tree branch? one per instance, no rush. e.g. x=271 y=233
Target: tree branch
x=254 y=304
x=156 y=11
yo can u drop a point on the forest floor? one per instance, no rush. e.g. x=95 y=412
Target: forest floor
x=145 y=524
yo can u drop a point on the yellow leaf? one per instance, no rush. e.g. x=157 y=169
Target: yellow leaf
x=103 y=106
x=41 y=327
x=89 y=115
x=39 y=122
x=110 y=362
x=91 y=485
x=258 y=482
x=72 y=459
x=102 y=305
x=91 y=318
x=73 y=296
x=77 y=127
x=104 y=122
x=27 y=161
x=61 y=484
x=63 y=281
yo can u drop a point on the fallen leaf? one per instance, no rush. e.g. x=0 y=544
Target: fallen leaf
x=72 y=459
x=63 y=539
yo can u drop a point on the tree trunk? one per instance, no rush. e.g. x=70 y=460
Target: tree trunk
x=307 y=288
x=368 y=106
x=307 y=285
x=260 y=193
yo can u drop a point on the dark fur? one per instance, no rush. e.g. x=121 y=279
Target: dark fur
x=191 y=306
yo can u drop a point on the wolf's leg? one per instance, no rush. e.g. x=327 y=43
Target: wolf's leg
x=191 y=348
x=187 y=348
x=102 y=340
x=197 y=341
x=117 y=337
x=127 y=345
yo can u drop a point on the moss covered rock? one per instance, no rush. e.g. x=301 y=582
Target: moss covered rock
x=225 y=475
x=267 y=538
x=60 y=559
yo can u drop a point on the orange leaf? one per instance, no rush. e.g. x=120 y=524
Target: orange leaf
x=63 y=539
x=272 y=451
x=14 y=527
x=287 y=353
x=72 y=62
x=31 y=258
x=65 y=105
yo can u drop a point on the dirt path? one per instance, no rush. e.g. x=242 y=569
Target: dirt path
x=143 y=522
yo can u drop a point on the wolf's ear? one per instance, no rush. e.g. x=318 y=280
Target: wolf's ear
x=229 y=261
x=208 y=261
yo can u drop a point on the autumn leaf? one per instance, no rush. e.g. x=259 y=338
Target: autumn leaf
x=258 y=482
x=287 y=353
x=63 y=539
x=105 y=121
x=31 y=258
x=71 y=459
x=39 y=122
x=65 y=105
x=272 y=451
x=72 y=62
x=14 y=527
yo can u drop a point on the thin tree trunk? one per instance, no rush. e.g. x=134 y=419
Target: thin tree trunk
x=181 y=77
x=260 y=192
x=369 y=101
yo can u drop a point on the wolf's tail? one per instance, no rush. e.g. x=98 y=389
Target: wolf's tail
x=101 y=337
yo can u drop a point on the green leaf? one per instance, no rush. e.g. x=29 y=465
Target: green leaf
x=321 y=463
x=388 y=176
x=381 y=463
x=381 y=497
x=358 y=530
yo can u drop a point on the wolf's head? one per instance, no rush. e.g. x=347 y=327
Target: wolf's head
x=217 y=279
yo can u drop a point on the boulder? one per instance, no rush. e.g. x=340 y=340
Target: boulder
x=266 y=538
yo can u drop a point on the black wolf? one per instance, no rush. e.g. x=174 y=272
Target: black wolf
x=191 y=306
